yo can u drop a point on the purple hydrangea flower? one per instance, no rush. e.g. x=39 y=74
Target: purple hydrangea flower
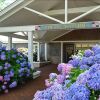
x=52 y=76
x=6 y=78
x=60 y=66
x=13 y=84
x=60 y=79
x=3 y=87
x=1 y=68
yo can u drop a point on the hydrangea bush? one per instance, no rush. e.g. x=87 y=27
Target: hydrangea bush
x=79 y=79
x=14 y=69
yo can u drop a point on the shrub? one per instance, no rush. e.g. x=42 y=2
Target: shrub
x=14 y=69
x=78 y=80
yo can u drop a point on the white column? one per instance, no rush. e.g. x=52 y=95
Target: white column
x=9 y=43
x=38 y=52
x=61 y=52
x=46 y=57
x=30 y=48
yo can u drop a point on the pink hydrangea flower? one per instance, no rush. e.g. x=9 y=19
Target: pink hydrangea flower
x=1 y=78
x=60 y=66
x=67 y=69
x=99 y=97
x=6 y=91
x=48 y=83
x=5 y=83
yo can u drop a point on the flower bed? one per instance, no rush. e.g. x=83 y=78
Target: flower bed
x=14 y=69
x=78 y=80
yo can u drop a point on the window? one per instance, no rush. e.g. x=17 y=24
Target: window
x=5 y=3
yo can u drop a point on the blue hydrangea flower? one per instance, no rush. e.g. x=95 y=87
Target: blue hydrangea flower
x=96 y=49
x=84 y=67
x=29 y=65
x=83 y=78
x=22 y=64
x=75 y=62
x=14 y=56
x=4 y=48
x=97 y=58
x=84 y=61
x=3 y=57
x=91 y=60
x=77 y=92
x=88 y=53
x=94 y=81
x=18 y=61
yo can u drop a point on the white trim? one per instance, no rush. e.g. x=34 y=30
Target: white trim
x=66 y=11
x=9 y=42
x=44 y=15
x=61 y=52
x=46 y=56
x=84 y=14
x=30 y=48
x=38 y=52
x=24 y=34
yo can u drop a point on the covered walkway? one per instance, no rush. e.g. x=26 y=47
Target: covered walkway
x=27 y=91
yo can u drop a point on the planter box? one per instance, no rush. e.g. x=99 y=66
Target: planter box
x=36 y=74
x=40 y=64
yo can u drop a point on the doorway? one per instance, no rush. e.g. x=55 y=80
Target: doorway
x=68 y=50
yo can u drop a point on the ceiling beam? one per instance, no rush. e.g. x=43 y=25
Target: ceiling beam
x=66 y=11
x=77 y=41
x=44 y=15
x=70 y=11
x=14 y=35
x=17 y=28
x=84 y=14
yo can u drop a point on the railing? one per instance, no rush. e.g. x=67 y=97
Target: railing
x=5 y=3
